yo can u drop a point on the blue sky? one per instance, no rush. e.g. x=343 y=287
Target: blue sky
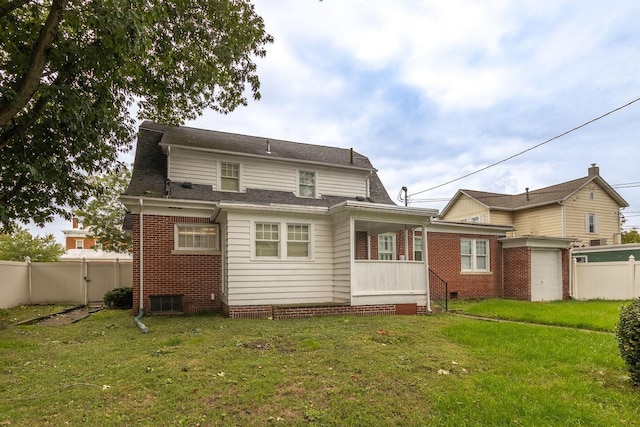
x=431 y=91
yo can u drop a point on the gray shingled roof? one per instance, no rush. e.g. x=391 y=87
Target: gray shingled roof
x=150 y=167
x=543 y=196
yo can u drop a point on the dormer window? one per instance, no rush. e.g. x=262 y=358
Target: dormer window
x=230 y=176
x=307 y=184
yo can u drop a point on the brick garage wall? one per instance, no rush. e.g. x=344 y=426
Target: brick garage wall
x=444 y=260
x=517 y=273
x=566 y=265
x=195 y=277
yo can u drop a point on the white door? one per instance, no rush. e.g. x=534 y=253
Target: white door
x=546 y=275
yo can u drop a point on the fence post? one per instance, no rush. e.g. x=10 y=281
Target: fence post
x=117 y=278
x=28 y=261
x=574 y=277
x=85 y=280
x=632 y=279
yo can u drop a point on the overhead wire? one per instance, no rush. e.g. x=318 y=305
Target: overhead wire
x=530 y=148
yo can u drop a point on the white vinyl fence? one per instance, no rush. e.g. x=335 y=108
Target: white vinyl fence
x=68 y=282
x=617 y=280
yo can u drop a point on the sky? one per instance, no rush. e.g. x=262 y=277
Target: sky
x=431 y=91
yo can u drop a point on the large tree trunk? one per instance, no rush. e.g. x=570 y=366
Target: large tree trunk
x=27 y=85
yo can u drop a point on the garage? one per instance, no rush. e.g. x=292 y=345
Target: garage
x=546 y=275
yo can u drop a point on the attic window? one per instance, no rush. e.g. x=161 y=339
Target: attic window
x=307 y=184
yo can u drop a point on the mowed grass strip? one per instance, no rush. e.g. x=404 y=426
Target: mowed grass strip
x=395 y=370
x=596 y=315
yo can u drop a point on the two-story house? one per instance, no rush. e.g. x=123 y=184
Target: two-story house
x=258 y=227
x=586 y=209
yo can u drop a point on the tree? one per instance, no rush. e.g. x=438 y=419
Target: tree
x=631 y=236
x=104 y=213
x=20 y=244
x=71 y=72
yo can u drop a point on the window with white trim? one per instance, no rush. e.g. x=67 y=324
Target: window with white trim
x=298 y=241
x=474 y=255
x=230 y=176
x=267 y=240
x=591 y=221
x=417 y=247
x=79 y=244
x=306 y=184
x=386 y=246
x=196 y=237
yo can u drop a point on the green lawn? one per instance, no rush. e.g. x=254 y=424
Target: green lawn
x=396 y=370
x=596 y=315
x=11 y=316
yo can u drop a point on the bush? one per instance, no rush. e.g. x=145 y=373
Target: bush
x=119 y=298
x=628 y=334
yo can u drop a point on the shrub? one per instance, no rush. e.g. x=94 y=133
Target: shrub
x=628 y=334
x=119 y=298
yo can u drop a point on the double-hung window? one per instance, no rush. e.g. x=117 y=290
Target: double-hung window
x=196 y=237
x=474 y=255
x=298 y=241
x=386 y=246
x=230 y=176
x=417 y=247
x=591 y=220
x=307 y=184
x=267 y=240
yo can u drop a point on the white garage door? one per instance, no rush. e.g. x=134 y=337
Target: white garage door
x=546 y=275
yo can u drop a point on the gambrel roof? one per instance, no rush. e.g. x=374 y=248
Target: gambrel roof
x=150 y=169
x=536 y=198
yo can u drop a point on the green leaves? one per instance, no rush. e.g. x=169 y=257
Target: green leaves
x=21 y=244
x=173 y=59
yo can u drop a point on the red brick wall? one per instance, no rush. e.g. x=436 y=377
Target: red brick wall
x=566 y=265
x=361 y=245
x=289 y=312
x=517 y=273
x=444 y=260
x=88 y=243
x=195 y=277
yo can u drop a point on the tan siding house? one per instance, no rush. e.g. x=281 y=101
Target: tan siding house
x=587 y=209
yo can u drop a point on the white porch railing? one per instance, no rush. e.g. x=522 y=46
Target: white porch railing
x=395 y=282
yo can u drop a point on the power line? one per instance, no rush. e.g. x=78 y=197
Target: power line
x=530 y=148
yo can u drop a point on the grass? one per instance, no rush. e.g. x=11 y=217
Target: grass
x=596 y=315
x=437 y=370
x=10 y=316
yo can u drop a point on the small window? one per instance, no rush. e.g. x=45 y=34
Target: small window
x=79 y=244
x=229 y=177
x=386 y=246
x=417 y=248
x=267 y=240
x=166 y=304
x=592 y=223
x=581 y=258
x=298 y=241
x=307 y=184
x=474 y=255
x=196 y=237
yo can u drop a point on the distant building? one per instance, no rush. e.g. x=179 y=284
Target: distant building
x=80 y=246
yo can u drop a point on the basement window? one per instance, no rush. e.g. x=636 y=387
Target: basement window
x=166 y=304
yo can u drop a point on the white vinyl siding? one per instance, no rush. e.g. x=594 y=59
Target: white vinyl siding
x=342 y=257
x=465 y=208
x=201 y=167
x=256 y=280
x=191 y=166
x=604 y=207
x=229 y=176
x=542 y=221
x=474 y=255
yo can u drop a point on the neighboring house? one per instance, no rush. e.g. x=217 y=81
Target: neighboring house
x=78 y=237
x=256 y=227
x=79 y=246
x=586 y=209
x=607 y=253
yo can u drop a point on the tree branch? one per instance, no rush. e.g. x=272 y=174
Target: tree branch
x=10 y=6
x=28 y=84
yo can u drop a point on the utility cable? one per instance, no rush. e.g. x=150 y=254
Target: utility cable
x=530 y=148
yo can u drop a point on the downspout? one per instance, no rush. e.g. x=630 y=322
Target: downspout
x=137 y=319
x=425 y=249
